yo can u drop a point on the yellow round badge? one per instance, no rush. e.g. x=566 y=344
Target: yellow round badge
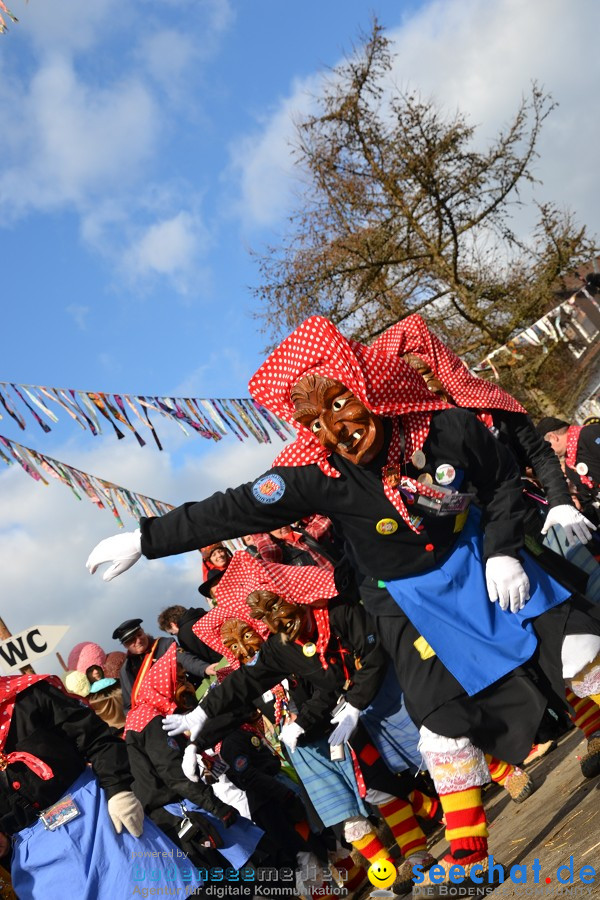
x=382 y=873
x=309 y=649
x=387 y=526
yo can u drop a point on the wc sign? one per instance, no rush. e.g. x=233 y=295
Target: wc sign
x=28 y=646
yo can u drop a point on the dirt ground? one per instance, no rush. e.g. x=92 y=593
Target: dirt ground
x=561 y=819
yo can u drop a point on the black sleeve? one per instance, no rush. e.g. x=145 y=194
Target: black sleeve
x=531 y=449
x=165 y=755
x=243 y=687
x=350 y=622
x=248 y=777
x=492 y=472
x=234 y=512
x=93 y=738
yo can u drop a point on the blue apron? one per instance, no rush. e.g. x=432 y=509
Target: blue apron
x=477 y=641
x=390 y=727
x=85 y=858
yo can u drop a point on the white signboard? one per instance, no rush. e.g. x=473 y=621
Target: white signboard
x=28 y=646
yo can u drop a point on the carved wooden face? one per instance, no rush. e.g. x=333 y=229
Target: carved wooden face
x=241 y=639
x=279 y=615
x=340 y=421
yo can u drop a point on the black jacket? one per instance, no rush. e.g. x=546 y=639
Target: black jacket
x=352 y=638
x=66 y=735
x=588 y=452
x=191 y=643
x=356 y=503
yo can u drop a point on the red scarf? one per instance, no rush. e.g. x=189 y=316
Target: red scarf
x=571 y=455
x=10 y=687
x=155 y=695
x=387 y=386
x=411 y=335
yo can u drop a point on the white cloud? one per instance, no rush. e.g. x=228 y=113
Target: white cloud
x=46 y=536
x=79 y=314
x=167 y=247
x=70 y=141
x=262 y=163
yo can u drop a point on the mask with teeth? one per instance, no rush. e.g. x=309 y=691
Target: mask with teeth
x=240 y=639
x=341 y=422
x=280 y=616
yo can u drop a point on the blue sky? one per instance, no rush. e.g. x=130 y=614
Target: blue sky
x=144 y=148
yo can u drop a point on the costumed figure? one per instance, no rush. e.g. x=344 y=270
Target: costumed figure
x=458 y=605
x=188 y=812
x=67 y=819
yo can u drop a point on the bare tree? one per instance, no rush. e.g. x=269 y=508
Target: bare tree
x=400 y=214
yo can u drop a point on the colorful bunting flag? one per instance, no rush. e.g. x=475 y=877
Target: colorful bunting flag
x=104 y=494
x=212 y=419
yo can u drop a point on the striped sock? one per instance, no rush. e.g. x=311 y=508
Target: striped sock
x=466 y=826
x=500 y=771
x=586 y=714
x=424 y=806
x=352 y=874
x=371 y=848
x=400 y=819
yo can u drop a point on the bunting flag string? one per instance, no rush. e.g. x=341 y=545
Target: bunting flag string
x=212 y=419
x=104 y=494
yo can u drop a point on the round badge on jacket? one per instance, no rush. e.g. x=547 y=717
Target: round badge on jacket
x=309 y=649
x=387 y=526
x=581 y=469
x=445 y=473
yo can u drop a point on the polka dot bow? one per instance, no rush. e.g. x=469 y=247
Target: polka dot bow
x=10 y=688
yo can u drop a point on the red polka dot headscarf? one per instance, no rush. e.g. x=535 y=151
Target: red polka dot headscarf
x=232 y=605
x=10 y=688
x=386 y=385
x=411 y=335
x=156 y=693
x=303 y=585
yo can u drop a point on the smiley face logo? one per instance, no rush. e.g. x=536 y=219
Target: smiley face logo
x=382 y=873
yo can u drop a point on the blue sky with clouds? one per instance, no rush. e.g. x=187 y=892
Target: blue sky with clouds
x=144 y=148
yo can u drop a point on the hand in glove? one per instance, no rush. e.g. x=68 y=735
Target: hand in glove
x=122 y=550
x=346 y=720
x=125 y=809
x=507 y=582
x=574 y=523
x=193 y=722
x=231 y=816
x=289 y=735
x=189 y=763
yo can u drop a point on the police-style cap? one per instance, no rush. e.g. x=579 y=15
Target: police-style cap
x=126 y=629
x=550 y=423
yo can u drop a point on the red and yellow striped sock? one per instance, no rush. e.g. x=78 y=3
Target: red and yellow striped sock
x=401 y=821
x=352 y=874
x=466 y=825
x=586 y=714
x=424 y=806
x=500 y=771
x=371 y=848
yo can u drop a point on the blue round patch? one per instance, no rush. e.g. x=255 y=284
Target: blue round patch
x=240 y=763
x=269 y=488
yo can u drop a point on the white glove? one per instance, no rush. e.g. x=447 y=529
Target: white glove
x=289 y=734
x=346 y=720
x=574 y=523
x=507 y=582
x=189 y=763
x=125 y=809
x=192 y=722
x=122 y=550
